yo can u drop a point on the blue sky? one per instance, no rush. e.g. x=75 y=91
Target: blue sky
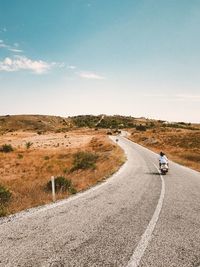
x=128 y=57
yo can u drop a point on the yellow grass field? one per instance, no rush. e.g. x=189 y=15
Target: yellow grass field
x=180 y=145
x=26 y=171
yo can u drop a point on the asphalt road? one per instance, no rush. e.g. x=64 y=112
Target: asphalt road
x=135 y=218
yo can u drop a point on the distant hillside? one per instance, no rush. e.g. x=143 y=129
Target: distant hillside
x=120 y=122
x=103 y=121
x=38 y=123
x=44 y=123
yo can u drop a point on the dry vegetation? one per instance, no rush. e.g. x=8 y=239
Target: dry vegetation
x=180 y=145
x=36 y=123
x=26 y=170
x=46 y=146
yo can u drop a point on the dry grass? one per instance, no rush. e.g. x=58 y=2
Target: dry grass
x=180 y=145
x=26 y=171
x=40 y=123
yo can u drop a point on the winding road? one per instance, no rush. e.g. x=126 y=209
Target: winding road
x=135 y=218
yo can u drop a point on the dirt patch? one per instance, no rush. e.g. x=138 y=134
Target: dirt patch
x=48 y=140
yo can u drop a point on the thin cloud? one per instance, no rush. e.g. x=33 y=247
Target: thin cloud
x=19 y=63
x=188 y=97
x=11 y=48
x=71 y=67
x=15 y=50
x=58 y=64
x=3 y=45
x=90 y=75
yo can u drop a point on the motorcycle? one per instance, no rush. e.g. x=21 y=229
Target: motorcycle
x=164 y=168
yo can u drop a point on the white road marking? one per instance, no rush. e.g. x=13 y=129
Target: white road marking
x=146 y=237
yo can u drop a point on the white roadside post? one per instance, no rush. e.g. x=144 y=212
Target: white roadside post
x=53 y=188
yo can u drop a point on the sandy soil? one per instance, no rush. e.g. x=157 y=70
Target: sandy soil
x=75 y=139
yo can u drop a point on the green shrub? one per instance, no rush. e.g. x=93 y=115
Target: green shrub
x=62 y=184
x=110 y=122
x=65 y=170
x=84 y=160
x=140 y=128
x=86 y=120
x=5 y=195
x=6 y=148
x=72 y=190
x=28 y=145
x=20 y=156
x=3 y=211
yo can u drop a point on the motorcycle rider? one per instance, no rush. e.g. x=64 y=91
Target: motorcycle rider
x=163 y=159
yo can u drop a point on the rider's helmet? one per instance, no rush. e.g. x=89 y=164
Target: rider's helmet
x=162 y=154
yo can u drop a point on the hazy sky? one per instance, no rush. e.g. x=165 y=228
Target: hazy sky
x=129 y=57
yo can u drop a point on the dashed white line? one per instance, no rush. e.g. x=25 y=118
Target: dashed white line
x=146 y=237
